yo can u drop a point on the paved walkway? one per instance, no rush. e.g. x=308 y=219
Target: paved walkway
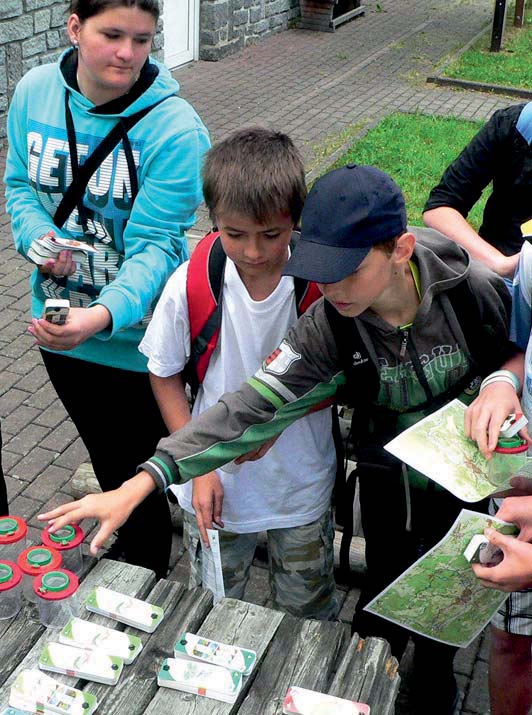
x=315 y=86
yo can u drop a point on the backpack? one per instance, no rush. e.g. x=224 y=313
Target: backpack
x=204 y=296
x=485 y=353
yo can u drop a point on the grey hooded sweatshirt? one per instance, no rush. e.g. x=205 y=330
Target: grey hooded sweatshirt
x=306 y=367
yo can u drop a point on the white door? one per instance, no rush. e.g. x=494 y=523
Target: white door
x=181 y=22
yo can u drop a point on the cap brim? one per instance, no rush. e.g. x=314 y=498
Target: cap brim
x=324 y=264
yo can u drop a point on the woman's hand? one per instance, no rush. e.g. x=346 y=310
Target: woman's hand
x=61 y=266
x=81 y=324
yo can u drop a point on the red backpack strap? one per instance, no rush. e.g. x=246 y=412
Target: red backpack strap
x=306 y=294
x=204 y=290
x=305 y=291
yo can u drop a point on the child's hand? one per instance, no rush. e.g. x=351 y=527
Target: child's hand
x=514 y=573
x=111 y=509
x=207 y=501
x=518 y=511
x=484 y=416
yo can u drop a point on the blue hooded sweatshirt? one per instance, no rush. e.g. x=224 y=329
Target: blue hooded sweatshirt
x=139 y=242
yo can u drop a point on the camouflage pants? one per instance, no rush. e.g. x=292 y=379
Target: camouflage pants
x=301 y=561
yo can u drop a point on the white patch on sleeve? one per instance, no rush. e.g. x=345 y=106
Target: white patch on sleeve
x=279 y=362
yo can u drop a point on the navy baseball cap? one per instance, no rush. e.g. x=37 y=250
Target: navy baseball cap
x=347 y=212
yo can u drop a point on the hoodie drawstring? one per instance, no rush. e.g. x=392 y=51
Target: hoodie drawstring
x=404 y=471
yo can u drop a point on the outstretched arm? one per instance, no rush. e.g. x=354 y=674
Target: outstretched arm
x=111 y=509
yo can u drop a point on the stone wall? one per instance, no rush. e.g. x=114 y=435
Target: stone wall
x=32 y=32
x=228 y=25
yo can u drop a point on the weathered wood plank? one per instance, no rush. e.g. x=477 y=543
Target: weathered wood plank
x=303 y=653
x=184 y=611
x=18 y=636
x=368 y=674
x=133 y=580
x=231 y=621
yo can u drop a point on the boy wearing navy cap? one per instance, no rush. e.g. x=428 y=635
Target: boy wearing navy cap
x=408 y=323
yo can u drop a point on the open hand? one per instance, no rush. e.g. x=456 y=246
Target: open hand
x=111 y=509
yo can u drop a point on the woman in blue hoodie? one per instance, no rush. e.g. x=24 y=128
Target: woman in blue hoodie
x=133 y=209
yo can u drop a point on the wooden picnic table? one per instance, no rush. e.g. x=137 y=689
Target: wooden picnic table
x=290 y=651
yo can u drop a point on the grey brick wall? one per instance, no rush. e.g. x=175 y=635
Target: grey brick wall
x=32 y=32
x=228 y=25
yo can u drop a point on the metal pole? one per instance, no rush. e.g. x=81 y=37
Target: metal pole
x=498 y=25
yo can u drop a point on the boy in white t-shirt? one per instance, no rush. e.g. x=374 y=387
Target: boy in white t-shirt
x=254 y=187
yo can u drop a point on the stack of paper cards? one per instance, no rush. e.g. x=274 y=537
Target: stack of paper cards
x=193 y=647
x=128 y=610
x=309 y=702
x=81 y=663
x=47 y=248
x=83 y=634
x=36 y=692
x=192 y=676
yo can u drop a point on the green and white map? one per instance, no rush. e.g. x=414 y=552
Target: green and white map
x=437 y=447
x=439 y=596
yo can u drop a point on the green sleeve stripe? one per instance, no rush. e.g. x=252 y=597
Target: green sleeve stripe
x=265 y=392
x=255 y=435
x=162 y=465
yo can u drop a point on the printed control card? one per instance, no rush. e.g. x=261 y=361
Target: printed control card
x=84 y=634
x=210 y=681
x=128 y=610
x=193 y=647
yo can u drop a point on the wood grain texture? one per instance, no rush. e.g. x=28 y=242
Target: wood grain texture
x=234 y=622
x=303 y=653
x=368 y=674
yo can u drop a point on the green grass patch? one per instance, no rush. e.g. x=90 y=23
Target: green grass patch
x=510 y=67
x=415 y=149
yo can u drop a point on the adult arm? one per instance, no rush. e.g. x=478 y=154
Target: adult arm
x=154 y=238
x=29 y=219
x=462 y=185
x=452 y=224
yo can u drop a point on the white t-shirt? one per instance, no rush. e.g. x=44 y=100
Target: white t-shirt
x=292 y=484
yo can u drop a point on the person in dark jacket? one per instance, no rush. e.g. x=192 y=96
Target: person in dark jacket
x=501 y=152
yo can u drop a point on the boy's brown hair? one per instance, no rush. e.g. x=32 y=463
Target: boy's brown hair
x=255 y=172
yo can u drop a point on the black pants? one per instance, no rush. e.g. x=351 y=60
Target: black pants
x=119 y=422
x=4 y=508
x=390 y=550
